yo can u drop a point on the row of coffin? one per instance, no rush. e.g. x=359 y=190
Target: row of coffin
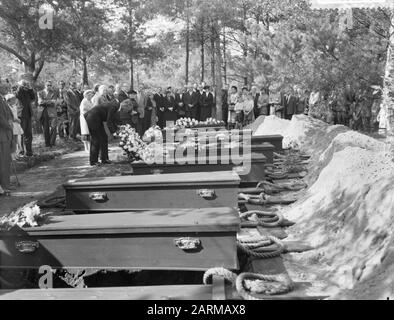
x=177 y=221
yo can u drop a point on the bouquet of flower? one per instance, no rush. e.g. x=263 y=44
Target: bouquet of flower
x=211 y=122
x=186 y=123
x=28 y=216
x=131 y=142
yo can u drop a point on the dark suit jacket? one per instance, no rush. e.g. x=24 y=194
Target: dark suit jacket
x=169 y=103
x=179 y=99
x=103 y=113
x=206 y=101
x=26 y=97
x=196 y=98
x=292 y=105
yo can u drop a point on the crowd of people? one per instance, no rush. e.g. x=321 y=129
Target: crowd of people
x=90 y=115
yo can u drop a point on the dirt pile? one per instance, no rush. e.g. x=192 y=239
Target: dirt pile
x=347 y=213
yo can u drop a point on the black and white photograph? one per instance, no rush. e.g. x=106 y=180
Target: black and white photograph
x=210 y=151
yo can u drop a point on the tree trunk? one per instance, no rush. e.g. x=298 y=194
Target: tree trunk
x=202 y=43
x=187 y=43
x=85 y=77
x=131 y=61
x=245 y=45
x=218 y=73
x=224 y=56
x=213 y=40
x=388 y=91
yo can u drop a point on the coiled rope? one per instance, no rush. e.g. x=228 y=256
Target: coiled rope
x=247 y=284
x=53 y=202
x=263 y=218
x=261 y=247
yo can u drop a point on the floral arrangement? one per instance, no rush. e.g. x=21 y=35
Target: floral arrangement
x=153 y=134
x=131 y=143
x=28 y=216
x=188 y=123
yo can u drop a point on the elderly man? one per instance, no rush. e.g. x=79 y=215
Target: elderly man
x=73 y=102
x=120 y=94
x=61 y=108
x=141 y=100
x=26 y=96
x=47 y=100
x=6 y=135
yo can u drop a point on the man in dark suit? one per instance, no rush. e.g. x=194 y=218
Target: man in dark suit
x=195 y=105
x=256 y=96
x=99 y=140
x=187 y=102
x=47 y=100
x=206 y=104
x=170 y=110
x=159 y=99
x=291 y=105
x=26 y=96
x=73 y=102
x=225 y=94
x=180 y=105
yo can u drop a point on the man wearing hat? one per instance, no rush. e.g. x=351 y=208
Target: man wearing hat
x=206 y=104
x=95 y=119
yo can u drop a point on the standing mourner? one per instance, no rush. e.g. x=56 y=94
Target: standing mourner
x=61 y=108
x=248 y=110
x=239 y=112
x=26 y=96
x=188 y=103
x=263 y=103
x=181 y=108
x=195 y=108
x=101 y=96
x=302 y=101
x=47 y=100
x=170 y=113
x=16 y=126
x=377 y=101
x=95 y=118
x=141 y=100
x=206 y=104
x=86 y=106
x=366 y=113
x=291 y=105
x=257 y=106
x=225 y=94
x=73 y=102
x=350 y=100
x=150 y=112
x=232 y=101
x=159 y=99
x=6 y=135
x=383 y=121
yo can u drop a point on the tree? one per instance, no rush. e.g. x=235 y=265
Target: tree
x=24 y=39
x=131 y=39
x=87 y=34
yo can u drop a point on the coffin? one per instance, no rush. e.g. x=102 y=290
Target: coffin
x=187 y=239
x=175 y=191
x=275 y=140
x=266 y=149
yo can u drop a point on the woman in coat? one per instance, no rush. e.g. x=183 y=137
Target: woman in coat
x=86 y=106
x=6 y=136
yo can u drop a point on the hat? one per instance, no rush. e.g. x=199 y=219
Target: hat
x=88 y=92
x=207 y=87
x=132 y=92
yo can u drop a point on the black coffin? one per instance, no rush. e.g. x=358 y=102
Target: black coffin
x=175 y=191
x=189 y=239
x=275 y=140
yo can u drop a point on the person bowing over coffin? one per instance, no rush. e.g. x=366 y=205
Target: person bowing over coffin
x=95 y=118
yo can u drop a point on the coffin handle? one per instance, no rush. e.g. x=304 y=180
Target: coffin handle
x=27 y=247
x=188 y=244
x=156 y=171
x=207 y=193
x=98 y=196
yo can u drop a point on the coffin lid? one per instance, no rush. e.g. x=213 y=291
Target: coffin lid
x=164 y=180
x=150 y=221
x=264 y=146
x=268 y=137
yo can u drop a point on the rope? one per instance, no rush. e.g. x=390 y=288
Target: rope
x=264 y=219
x=261 y=247
x=262 y=199
x=247 y=284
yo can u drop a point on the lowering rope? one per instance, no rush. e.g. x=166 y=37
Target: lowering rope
x=263 y=199
x=53 y=202
x=247 y=284
x=273 y=188
x=263 y=218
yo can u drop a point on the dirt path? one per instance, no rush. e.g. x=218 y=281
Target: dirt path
x=42 y=181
